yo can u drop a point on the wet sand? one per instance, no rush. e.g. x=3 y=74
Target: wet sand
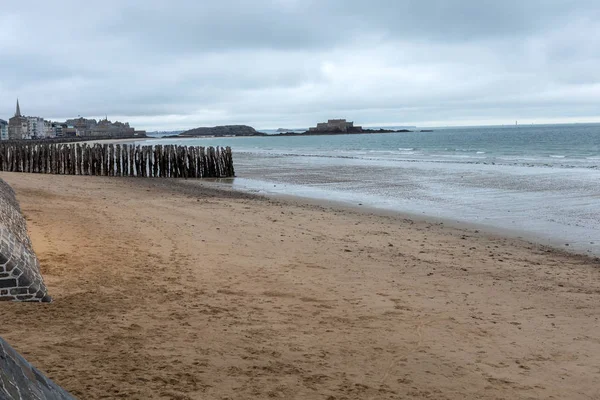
x=168 y=289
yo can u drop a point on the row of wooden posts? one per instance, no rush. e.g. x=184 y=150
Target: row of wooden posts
x=160 y=161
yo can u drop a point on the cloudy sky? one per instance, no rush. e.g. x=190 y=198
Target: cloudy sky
x=178 y=64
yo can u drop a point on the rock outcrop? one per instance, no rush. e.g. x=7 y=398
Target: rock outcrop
x=20 y=277
x=19 y=380
x=225 y=130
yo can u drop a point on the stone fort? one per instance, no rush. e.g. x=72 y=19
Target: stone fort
x=334 y=125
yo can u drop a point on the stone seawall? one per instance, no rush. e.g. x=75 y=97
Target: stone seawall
x=19 y=380
x=20 y=277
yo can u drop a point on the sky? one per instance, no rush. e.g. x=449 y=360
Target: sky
x=179 y=64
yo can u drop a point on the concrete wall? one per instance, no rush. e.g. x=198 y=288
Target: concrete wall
x=20 y=277
x=19 y=380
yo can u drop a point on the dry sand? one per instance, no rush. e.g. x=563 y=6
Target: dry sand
x=171 y=290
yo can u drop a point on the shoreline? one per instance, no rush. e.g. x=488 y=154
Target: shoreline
x=474 y=227
x=547 y=197
x=169 y=289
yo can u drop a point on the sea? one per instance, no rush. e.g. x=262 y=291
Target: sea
x=539 y=182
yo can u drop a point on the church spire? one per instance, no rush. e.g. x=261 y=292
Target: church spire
x=18 y=112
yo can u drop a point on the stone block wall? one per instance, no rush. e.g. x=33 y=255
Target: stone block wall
x=20 y=277
x=19 y=380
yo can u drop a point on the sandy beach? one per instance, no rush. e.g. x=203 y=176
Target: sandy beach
x=169 y=289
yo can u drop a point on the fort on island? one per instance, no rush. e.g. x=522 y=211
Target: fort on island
x=335 y=125
x=20 y=127
x=341 y=127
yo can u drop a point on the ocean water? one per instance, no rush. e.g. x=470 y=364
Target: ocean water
x=539 y=182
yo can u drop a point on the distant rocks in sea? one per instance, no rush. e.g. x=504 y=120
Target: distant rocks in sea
x=331 y=127
x=286 y=130
x=224 y=130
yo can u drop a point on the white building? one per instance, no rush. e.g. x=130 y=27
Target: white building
x=3 y=130
x=35 y=128
x=49 y=129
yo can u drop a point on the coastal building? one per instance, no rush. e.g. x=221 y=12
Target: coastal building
x=49 y=129
x=334 y=125
x=23 y=127
x=105 y=128
x=35 y=128
x=69 y=131
x=18 y=125
x=3 y=130
x=58 y=129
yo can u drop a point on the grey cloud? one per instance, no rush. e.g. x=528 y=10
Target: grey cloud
x=178 y=64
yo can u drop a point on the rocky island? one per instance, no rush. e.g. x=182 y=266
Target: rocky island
x=221 y=131
x=331 y=127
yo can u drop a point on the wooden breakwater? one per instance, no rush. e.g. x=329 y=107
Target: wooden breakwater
x=159 y=161
x=73 y=139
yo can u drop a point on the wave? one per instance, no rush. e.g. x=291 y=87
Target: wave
x=557 y=156
x=514 y=161
x=462 y=150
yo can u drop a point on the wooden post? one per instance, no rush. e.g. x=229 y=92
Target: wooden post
x=33 y=153
x=105 y=159
x=29 y=156
x=165 y=159
x=193 y=162
x=123 y=157
x=136 y=158
x=144 y=160
x=90 y=151
x=43 y=158
x=95 y=162
x=156 y=160
x=109 y=160
x=125 y=160
x=68 y=159
x=65 y=151
x=46 y=157
x=178 y=170
x=168 y=169
x=142 y=168
x=186 y=162
x=139 y=158
x=73 y=159
x=26 y=160
x=147 y=162
x=33 y=157
x=131 y=160
x=92 y=160
x=175 y=166
x=163 y=164
x=59 y=159
x=86 y=159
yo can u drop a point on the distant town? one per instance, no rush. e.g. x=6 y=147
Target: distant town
x=21 y=127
